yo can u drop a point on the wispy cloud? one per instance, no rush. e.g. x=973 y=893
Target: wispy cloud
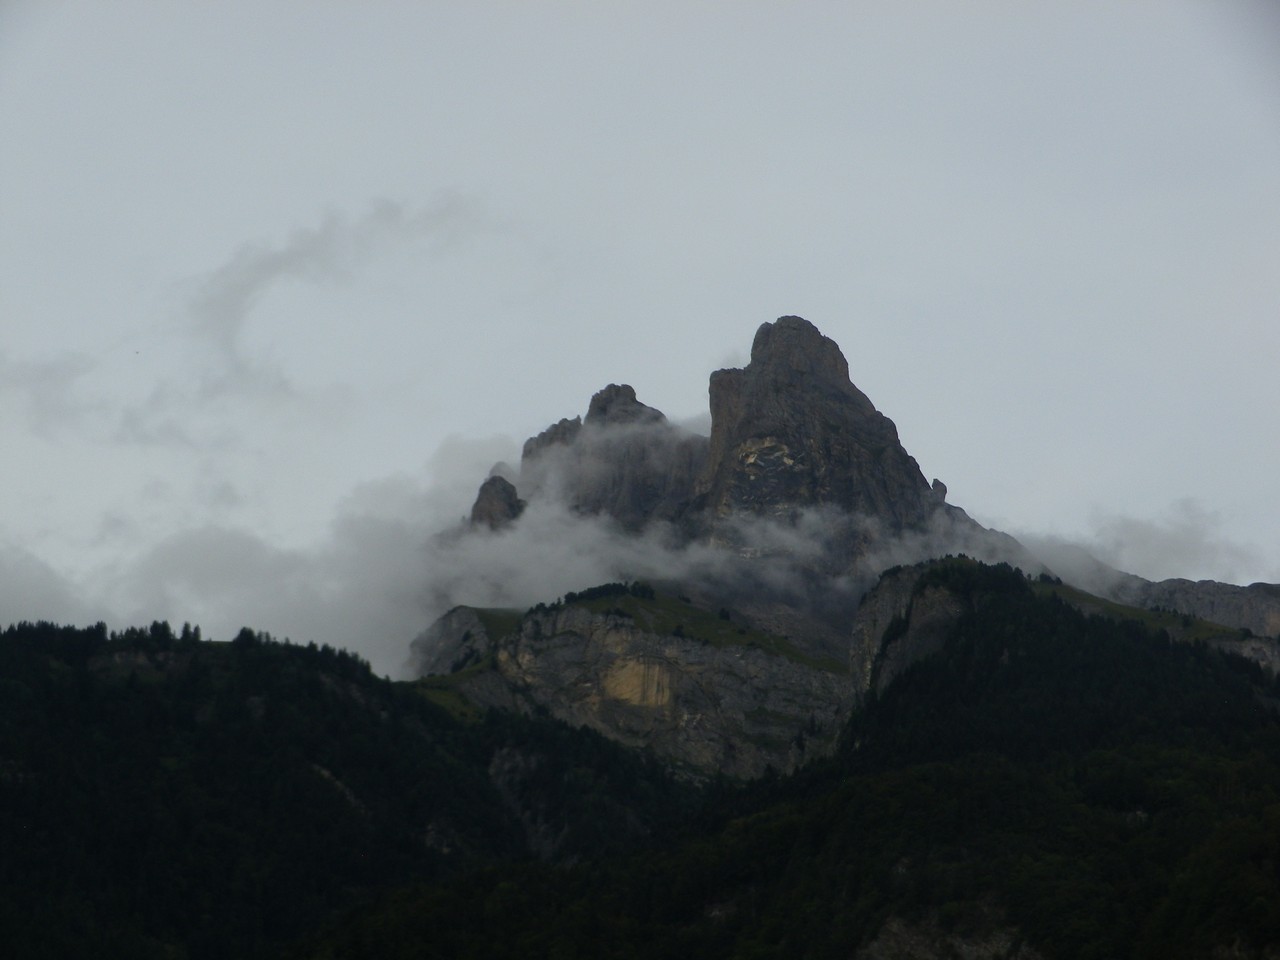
x=1187 y=541
x=220 y=309
x=46 y=391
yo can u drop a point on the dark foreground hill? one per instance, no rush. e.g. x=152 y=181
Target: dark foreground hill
x=161 y=796
x=1038 y=783
x=1045 y=784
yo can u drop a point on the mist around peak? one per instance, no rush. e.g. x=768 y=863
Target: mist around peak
x=787 y=509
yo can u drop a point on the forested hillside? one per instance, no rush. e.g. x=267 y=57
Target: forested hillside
x=162 y=796
x=1050 y=783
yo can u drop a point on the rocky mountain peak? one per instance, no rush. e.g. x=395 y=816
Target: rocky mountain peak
x=624 y=460
x=497 y=504
x=617 y=405
x=790 y=431
x=793 y=347
x=560 y=434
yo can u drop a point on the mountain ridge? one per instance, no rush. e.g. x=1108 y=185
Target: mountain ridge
x=798 y=501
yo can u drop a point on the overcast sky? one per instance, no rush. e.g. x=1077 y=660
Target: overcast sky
x=279 y=281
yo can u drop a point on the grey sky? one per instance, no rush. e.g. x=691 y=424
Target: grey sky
x=256 y=257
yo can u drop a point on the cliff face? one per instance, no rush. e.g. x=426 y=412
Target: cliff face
x=896 y=626
x=714 y=693
x=624 y=461
x=454 y=642
x=701 y=695
x=497 y=504
x=1255 y=608
x=709 y=692
x=790 y=431
x=925 y=940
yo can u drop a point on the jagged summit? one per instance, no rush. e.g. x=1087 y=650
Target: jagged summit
x=790 y=430
x=617 y=404
x=623 y=461
x=794 y=346
x=497 y=505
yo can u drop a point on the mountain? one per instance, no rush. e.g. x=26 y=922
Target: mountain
x=755 y=656
x=781 y=717
x=789 y=432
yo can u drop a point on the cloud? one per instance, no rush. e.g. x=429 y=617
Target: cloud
x=361 y=588
x=45 y=390
x=364 y=586
x=30 y=589
x=397 y=554
x=1187 y=541
x=801 y=575
x=584 y=525
x=220 y=308
x=324 y=253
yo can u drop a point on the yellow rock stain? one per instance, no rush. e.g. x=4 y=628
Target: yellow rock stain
x=645 y=683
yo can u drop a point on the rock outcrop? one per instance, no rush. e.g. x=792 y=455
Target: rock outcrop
x=706 y=696
x=926 y=939
x=616 y=405
x=899 y=623
x=454 y=642
x=790 y=431
x=559 y=434
x=625 y=461
x=1255 y=608
x=497 y=504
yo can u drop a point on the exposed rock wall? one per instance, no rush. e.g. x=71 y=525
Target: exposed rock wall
x=897 y=625
x=497 y=504
x=801 y=495
x=453 y=642
x=1255 y=608
x=791 y=431
x=888 y=603
x=927 y=940
x=625 y=461
x=736 y=710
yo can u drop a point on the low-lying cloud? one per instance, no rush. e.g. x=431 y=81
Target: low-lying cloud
x=398 y=553
x=45 y=391
x=1185 y=542
x=364 y=586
